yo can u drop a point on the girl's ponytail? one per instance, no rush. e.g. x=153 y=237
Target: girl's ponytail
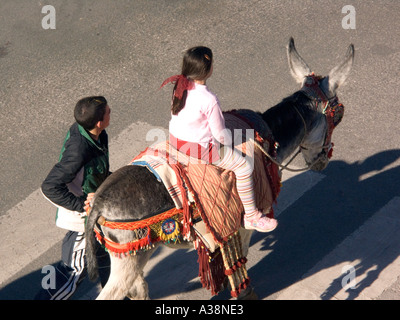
x=182 y=85
x=178 y=103
x=197 y=64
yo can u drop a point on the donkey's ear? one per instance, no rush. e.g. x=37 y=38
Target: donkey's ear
x=298 y=68
x=338 y=75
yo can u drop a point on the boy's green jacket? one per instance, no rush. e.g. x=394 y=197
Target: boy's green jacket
x=83 y=165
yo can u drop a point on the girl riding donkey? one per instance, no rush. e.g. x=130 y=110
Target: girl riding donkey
x=303 y=121
x=197 y=127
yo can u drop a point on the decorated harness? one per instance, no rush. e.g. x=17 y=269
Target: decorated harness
x=332 y=109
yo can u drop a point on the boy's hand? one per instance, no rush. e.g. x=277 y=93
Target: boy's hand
x=88 y=201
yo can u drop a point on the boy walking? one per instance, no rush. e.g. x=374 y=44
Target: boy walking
x=83 y=165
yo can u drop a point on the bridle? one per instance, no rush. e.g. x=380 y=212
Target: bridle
x=333 y=111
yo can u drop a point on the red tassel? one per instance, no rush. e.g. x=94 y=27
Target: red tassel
x=229 y=272
x=211 y=270
x=234 y=293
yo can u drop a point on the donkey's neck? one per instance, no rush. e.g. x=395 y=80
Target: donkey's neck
x=287 y=125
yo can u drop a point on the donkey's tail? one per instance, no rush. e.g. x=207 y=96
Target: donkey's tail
x=91 y=248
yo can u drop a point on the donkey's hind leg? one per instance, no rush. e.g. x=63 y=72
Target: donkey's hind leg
x=126 y=278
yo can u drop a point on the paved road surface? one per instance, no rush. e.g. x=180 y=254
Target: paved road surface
x=344 y=217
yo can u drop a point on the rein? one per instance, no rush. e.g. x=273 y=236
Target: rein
x=280 y=165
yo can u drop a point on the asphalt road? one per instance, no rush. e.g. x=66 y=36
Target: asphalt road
x=124 y=50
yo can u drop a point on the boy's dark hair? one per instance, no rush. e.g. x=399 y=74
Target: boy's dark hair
x=90 y=110
x=196 y=65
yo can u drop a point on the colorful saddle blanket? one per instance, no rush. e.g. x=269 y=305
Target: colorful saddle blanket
x=192 y=182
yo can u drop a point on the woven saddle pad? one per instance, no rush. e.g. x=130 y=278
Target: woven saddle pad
x=210 y=188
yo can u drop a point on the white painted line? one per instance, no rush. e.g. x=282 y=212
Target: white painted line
x=370 y=254
x=26 y=231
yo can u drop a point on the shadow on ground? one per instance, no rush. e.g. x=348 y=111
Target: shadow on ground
x=308 y=230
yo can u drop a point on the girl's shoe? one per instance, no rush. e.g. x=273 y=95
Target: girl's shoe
x=260 y=223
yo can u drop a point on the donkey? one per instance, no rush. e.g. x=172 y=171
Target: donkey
x=134 y=193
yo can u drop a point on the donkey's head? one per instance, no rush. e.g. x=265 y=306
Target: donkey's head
x=316 y=146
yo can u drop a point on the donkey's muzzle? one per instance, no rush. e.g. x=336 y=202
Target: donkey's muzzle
x=321 y=163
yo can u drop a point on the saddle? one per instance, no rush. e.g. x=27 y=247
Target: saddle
x=211 y=189
x=208 y=193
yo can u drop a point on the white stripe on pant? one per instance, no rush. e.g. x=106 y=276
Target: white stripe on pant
x=77 y=264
